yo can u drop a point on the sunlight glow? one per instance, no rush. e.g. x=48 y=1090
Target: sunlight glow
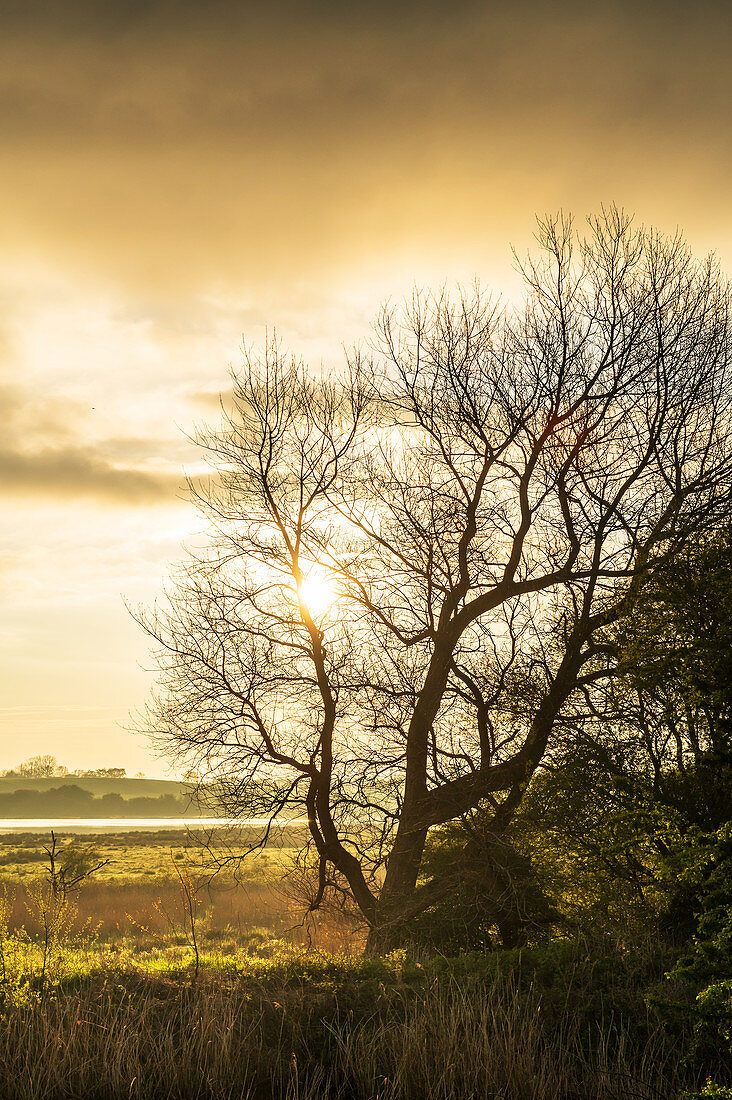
x=317 y=593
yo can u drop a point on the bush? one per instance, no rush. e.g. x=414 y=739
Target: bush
x=494 y=900
x=705 y=966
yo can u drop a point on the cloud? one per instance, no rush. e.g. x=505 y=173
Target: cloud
x=212 y=402
x=172 y=144
x=41 y=456
x=67 y=473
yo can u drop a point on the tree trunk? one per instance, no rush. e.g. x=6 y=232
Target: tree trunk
x=390 y=924
x=384 y=938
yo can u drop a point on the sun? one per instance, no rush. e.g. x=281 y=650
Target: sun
x=317 y=593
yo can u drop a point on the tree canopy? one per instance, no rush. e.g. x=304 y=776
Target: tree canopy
x=414 y=565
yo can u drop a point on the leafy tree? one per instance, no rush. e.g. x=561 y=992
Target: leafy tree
x=642 y=766
x=674 y=654
x=413 y=566
x=706 y=963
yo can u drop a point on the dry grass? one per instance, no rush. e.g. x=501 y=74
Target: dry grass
x=112 y=1007
x=118 y=908
x=152 y=913
x=130 y=1035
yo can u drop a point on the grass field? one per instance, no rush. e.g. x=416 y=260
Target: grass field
x=144 y=854
x=138 y=898
x=143 y=986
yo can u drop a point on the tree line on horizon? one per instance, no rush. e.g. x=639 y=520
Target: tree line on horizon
x=71 y=800
x=46 y=766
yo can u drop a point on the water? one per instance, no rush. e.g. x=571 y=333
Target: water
x=128 y=824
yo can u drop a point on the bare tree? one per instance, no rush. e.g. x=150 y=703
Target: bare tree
x=40 y=767
x=410 y=566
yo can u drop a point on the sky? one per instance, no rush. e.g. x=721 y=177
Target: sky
x=177 y=179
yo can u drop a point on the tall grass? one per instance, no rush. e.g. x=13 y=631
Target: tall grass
x=492 y=1043
x=151 y=911
x=318 y=1027
x=105 y=1004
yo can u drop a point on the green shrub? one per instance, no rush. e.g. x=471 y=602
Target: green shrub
x=495 y=898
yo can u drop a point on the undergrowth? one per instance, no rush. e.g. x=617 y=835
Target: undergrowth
x=568 y=1021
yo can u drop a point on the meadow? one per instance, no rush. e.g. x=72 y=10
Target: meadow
x=157 y=980
x=139 y=895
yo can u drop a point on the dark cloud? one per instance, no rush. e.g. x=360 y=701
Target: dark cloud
x=40 y=456
x=339 y=73
x=78 y=473
x=172 y=142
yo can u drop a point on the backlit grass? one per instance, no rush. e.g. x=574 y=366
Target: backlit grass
x=121 y=994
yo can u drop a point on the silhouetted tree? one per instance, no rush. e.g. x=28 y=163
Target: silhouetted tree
x=483 y=501
x=40 y=767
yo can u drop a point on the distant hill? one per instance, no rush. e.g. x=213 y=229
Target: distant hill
x=128 y=788
x=73 y=796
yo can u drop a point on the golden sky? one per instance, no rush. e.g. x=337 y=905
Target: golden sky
x=177 y=177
